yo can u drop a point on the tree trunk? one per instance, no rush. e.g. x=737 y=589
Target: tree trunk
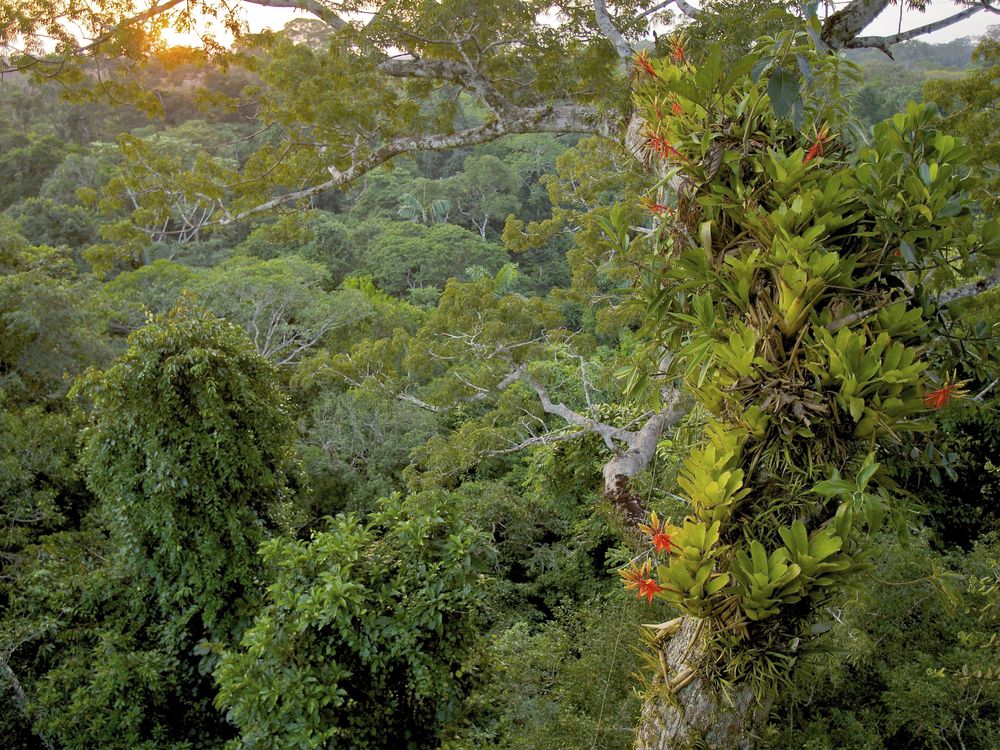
x=695 y=713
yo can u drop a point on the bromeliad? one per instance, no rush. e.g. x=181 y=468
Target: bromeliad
x=941 y=397
x=642 y=63
x=822 y=138
x=657 y=209
x=657 y=531
x=662 y=146
x=639 y=578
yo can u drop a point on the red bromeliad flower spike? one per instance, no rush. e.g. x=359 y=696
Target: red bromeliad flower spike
x=822 y=138
x=657 y=531
x=662 y=146
x=675 y=107
x=642 y=63
x=678 y=50
x=649 y=588
x=634 y=575
x=940 y=398
x=657 y=209
x=638 y=578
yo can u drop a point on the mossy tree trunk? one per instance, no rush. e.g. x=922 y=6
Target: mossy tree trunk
x=687 y=710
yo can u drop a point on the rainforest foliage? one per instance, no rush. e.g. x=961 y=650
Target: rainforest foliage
x=351 y=471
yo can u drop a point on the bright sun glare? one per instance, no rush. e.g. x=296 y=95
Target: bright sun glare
x=256 y=17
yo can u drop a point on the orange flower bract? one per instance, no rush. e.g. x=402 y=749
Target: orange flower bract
x=642 y=63
x=649 y=588
x=662 y=146
x=658 y=209
x=940 y=398
x=657 y=531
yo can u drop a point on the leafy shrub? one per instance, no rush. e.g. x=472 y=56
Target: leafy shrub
x=362 y=642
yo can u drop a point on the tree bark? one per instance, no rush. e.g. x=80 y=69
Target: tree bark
x=687 y=711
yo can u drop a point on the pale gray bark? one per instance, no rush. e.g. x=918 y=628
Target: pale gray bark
x=618 y=472
x=840 y=28
x=971 y=289
x=692 y=712
x=843 y=28
x=610 y=31
x=314 y=8
x=687 y=9
x=641 y=444
x=884 y=42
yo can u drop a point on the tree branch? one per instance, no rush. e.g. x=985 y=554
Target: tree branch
x=971 y=289
x=655 y=8
x=611 y=32
x=538 y=440
x=410 y=399
x=152 y=12
x=449 y=70
x=317 y=9
x=840 y=28
x=618 y=472
x=607 y=432
x=884 y=42
x=566 y=118
x=688 y=10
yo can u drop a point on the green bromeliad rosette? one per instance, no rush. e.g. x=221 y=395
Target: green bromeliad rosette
x=799 y=263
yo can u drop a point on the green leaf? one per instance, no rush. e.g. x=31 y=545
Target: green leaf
x=783 y=90
x=833 y=487
x=759 y=67
x=906 y=250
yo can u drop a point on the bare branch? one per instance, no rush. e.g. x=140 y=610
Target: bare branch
x=656 y=8
x=619 y=471
x=971 y=289
x=606 y=431
x=840 y=28
x=317 y=9
x=547 y=439
x=688 y=10
x=566 y=118
x=410 y=399
x=611 y=32
x=884 y=42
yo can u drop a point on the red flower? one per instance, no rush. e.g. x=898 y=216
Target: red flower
x=662 y=146
x=634 y=575
x=942 y=396
x=678 y=49
x=675 y=107
x=822 y=137
x=648 y=588
x=658 y=209
x=639 y=578
x=657 y=531
x=662 y=542
x=642 y=62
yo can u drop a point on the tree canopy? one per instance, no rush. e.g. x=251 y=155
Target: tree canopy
x=366 y=383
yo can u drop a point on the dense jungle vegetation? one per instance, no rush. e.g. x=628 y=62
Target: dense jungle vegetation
x=368 y=469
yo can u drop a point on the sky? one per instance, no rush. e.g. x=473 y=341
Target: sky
x=888 y=23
